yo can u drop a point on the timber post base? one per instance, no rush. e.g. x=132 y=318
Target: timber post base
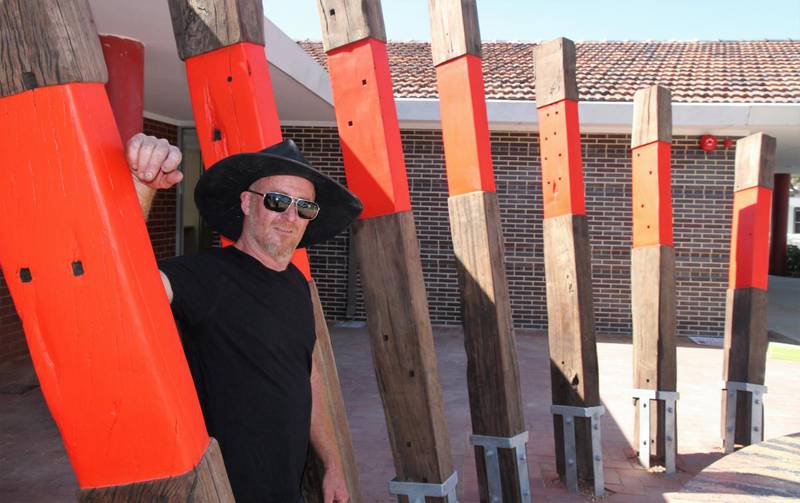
x=207 y=482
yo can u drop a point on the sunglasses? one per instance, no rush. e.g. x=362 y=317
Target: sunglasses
x=277 y=202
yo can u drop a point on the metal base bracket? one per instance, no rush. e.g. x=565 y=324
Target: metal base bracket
x=490 y=455
x=757 y=392
x=568 y=415
x=417 y=491
x=670 y=429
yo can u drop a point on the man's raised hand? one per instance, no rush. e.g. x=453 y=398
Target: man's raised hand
x=153 y=162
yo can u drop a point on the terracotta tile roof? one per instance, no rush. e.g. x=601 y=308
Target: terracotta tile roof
x=715 y=72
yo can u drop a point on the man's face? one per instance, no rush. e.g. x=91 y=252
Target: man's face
x=277 y=234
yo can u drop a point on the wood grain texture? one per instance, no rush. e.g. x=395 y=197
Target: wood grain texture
x=402 y=346
x=652 y=116
x=744 y=349
x=346 y=21
x=653 y=312
x=755 y=161
x=46 y=43
x=653 y=306
x=492 y=368
x=454 y=29
x=555 y=72
x=326 y=366
x=571 y=335
x=202 y=26
x=207 y=482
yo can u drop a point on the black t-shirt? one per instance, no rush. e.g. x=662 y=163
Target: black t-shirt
x=248 y=334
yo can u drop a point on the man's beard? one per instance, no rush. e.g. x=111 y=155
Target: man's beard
x=281 y=249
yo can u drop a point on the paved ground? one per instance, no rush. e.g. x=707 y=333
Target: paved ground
x=783 y=311
x=34 y=468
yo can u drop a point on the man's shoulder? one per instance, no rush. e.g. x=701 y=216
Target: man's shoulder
x=196 y=262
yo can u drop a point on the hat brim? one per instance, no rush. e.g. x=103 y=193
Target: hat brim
x=217 y=195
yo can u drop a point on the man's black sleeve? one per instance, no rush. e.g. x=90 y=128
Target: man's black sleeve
x=192 y=292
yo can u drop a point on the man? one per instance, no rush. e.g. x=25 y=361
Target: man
x=245 y=314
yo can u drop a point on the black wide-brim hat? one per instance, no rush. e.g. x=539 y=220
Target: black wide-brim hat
x=217 y=194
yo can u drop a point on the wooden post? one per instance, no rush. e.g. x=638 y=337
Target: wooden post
x=745 y=345
x=79 y=265
x=653 y=263
x=222 y=44
x=780 y=224
x=571 y=336
x=385 y=240
x=492 y=370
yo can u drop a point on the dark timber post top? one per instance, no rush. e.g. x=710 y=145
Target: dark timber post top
x=202 y=26
x=347 y=21
x=454 y=29
x=47 y=43
x=555 y=72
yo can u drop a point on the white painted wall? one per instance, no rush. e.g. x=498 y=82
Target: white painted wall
x=793 y=238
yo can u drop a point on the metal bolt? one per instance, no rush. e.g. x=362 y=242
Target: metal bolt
x=755 y=428
x=730 y=428
x=522 y=457
x=495 y=499
x=568 y=420
x=755 y=401
x=570 y=462
x=596 y=426
x=669 y=439
x=597 y=458
x=669 y=409
x=489 y=454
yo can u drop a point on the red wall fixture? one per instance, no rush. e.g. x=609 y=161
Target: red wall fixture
x=708 y=142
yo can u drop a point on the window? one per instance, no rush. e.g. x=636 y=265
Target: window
x=797 y=220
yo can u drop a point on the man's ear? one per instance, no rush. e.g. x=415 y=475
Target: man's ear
x=244 y=200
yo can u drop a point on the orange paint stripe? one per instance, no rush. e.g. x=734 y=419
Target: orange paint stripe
x=651 y=194
x=749 y=259
x=103 y=342
x=368 y=129
x=562 y=166
x=234 y=108
x=465 y=127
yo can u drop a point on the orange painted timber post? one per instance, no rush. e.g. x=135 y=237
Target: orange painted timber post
x=571 y=336
x=124 y=58
x=235 y=111
x=653 y=280
x=79 y=265
x=745 y=346
x=498 y=425
x=386 y=244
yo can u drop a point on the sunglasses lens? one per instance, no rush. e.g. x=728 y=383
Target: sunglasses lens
x=277 y=202
x=307 y=209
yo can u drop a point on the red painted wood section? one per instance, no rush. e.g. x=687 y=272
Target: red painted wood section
x=749 y=261
x=234 y=108
x=232 y=100
x=652 y=196
x=562 y=167
x=465 y=127
x=368 y=127
x=77 y=259
x=125 y=63
x=780 y=224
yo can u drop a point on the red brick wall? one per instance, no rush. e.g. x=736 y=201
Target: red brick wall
x=702 y=194
x=161 y=227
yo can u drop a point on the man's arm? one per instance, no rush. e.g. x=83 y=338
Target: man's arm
x=323 y=439
x=154 y=165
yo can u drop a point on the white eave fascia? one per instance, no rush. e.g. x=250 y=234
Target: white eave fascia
x=285 y=55
x=616 y=117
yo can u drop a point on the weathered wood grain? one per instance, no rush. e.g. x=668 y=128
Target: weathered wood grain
x=745 y=349
x=454 y=29
x=402 y=346
x=492 y=369
x=555 y=72
x=201 y=26
x=346 y=21
x=207 y=482
x=570 y=328
x=652 y=116
x=47 y=43
x=755 y=160
x=334 y=403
